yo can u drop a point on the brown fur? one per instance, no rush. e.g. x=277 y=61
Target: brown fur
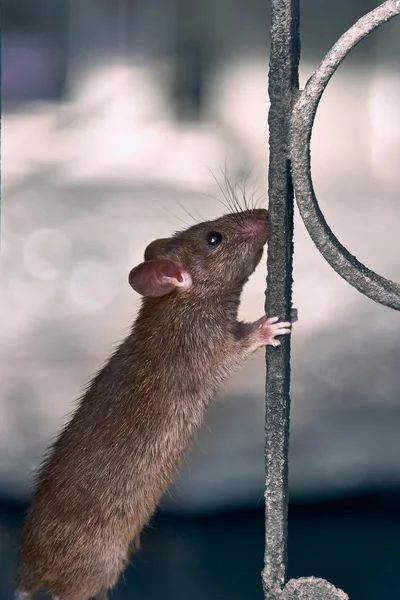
x=105 y=474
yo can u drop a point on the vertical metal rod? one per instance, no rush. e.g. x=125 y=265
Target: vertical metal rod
x=283 y=86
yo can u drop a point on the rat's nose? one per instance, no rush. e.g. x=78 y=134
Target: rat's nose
x=255 y=222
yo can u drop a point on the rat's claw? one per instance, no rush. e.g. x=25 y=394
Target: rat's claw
x=283 y=331
x=272 y=320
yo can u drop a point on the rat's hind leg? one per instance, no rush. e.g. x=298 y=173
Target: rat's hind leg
x=22 y=595
x=103 y=595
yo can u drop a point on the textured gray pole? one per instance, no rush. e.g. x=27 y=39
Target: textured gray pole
x=283 y=86
x=370 y=284
x=291 y=119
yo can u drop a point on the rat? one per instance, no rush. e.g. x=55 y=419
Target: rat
x=103 y=477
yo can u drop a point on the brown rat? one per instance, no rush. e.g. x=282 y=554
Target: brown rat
x=106 y=472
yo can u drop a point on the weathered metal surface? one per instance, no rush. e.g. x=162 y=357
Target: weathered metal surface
x=312 y=588
x=283 y=85
x=354 y=272
x=291 y=119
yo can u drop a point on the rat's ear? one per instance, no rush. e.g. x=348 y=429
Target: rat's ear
x=159 y=277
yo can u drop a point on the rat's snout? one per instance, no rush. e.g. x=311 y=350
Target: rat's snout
x=255 y=223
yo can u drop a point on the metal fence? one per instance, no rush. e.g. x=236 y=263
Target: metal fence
x=291 y=118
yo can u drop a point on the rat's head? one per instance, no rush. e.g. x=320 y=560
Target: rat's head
x=209 y=257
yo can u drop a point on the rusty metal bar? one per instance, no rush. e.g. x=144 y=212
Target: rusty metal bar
x=291 y=119
x=283 y=85
x=353 y=271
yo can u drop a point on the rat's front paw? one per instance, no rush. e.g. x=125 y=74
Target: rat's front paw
x=269 y=329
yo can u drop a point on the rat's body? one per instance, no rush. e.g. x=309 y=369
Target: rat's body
x=108 y=469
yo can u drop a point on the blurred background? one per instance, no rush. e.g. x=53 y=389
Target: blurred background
x=115 y=115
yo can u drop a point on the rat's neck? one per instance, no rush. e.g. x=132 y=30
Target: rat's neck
x=222 y=308
x=186 y=322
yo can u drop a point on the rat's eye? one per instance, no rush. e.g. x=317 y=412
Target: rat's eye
x=214 y=239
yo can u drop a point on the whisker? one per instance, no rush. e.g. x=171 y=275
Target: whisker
x=173 y=214
x=227 y=204
x=200 y=215
x=259 y=199
x=230 y=193
x=187 y=212
x=218 y=200
x=230 y=203
x=228 y=187
x=236 y=199
x=242 y=189
x=255 y=203
x=231 y=189
x=242 y=183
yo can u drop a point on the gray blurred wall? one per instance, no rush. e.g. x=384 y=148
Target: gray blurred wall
x=118 y=153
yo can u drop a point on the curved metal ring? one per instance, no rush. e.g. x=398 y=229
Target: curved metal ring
x=366 y=281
